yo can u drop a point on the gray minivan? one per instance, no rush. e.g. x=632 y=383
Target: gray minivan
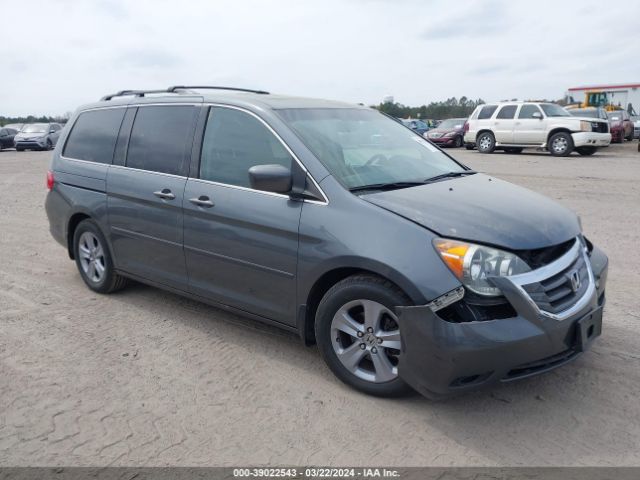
x=332 y=220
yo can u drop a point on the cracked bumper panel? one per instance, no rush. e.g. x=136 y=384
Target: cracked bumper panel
x=591 y=139
x=441 y=358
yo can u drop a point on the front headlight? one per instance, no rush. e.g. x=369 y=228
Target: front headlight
x=474 y=264
x=585 y=126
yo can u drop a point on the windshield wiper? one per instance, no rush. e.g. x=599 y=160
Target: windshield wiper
x=385 y=186
x=449 y=175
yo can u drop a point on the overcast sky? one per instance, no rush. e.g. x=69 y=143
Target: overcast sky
x=58 y=54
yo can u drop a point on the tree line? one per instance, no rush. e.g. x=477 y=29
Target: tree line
x=449 y=108
x=34 y=119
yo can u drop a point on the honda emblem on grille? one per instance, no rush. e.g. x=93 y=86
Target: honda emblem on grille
x=574 y=278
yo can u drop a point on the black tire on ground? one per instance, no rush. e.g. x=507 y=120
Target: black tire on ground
x=49 y=145
x=469 y=146
x=458 y=142
x=486 y=142
x=586 y=150
x=513 y=149
x=361 y=287
x=109 y=281
x=560 y=144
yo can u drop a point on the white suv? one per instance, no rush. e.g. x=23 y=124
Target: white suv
x=512 y=126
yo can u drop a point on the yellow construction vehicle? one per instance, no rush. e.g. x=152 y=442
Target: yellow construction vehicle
x=595 y=98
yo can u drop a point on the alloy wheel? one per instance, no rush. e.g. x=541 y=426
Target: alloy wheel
x=485 y=142
x=560 y=145
x=366 y=339
x=92 y=258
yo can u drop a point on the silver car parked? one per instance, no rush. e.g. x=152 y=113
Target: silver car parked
x=38 y=136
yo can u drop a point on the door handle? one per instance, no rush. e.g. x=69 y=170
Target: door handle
x=202 y=201
x=165 y=194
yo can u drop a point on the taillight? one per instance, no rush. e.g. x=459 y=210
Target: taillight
x=466 y=127
x=50 y=180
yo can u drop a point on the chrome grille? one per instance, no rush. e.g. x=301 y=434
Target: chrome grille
x=562 y=290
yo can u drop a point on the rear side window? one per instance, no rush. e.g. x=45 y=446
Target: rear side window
x=161 y=139
x=235 y=141
x=508 y=111
x=93 y=136
x=527 y=111
x=486 y=112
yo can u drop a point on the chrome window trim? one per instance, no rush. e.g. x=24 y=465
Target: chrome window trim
x=123 y=167
x=91 y=162
x=284 y=144
x=211 y=104
x=552 y=269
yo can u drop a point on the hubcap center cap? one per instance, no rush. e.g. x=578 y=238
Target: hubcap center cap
x=370 y=339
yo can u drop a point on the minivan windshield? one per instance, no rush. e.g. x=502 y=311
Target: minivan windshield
x=363 y=147
x=553 y=110
x=35 y=128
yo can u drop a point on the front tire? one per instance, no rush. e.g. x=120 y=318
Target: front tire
x=358 y=334
x=486 y=142
x=458 y=142
x=93 y=259
x=585 y=151
x=561 y=144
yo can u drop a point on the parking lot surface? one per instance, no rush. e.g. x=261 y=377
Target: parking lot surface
x=144 y=377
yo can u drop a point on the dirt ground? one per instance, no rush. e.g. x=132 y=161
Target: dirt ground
x=144 y=377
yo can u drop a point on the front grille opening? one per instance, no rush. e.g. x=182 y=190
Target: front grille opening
x=470 y=380
x=541 y=365
x=463 y=312
x=543 y=256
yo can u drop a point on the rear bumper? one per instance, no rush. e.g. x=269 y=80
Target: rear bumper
x=591 y=139
x=441 y=358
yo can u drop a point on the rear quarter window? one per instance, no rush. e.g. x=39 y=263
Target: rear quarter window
x=486 y=112
x=93 y=136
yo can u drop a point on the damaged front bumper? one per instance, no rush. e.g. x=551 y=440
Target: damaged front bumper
x=440 y=357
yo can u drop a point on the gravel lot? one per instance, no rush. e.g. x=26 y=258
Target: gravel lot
x=144 y=377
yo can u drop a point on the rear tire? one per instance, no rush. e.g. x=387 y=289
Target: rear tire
x=560 y=144
x=93 y=259
x=358 y=334
x=585 y=151
x=486 y=142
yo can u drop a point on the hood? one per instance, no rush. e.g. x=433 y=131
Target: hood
x=444 y=131
x=30 y=134
x=483 y=209
x=589 y=119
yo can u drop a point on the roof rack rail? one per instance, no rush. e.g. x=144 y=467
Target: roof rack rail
x=208 y=87
x=176 y=89
x=135 y=93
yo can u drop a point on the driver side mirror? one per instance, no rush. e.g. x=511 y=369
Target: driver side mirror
x=271 y=178
x=537 y=115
